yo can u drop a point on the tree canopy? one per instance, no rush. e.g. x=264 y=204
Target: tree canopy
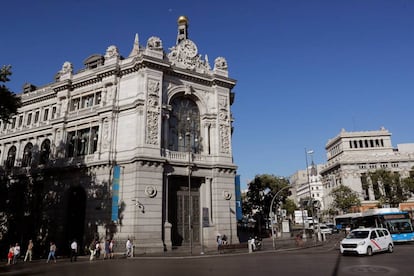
x=389 y=188
x=9 y=101
x=261 y=191
x=344 y=198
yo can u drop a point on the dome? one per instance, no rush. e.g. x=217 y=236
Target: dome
x=182 y=20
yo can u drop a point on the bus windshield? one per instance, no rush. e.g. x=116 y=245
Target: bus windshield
x=399 y=226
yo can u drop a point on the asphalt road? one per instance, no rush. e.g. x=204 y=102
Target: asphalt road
x=320 y=261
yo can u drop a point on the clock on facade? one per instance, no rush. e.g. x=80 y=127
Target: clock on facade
x=188 y=48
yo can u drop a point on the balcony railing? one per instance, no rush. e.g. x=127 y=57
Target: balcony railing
x=181 y=156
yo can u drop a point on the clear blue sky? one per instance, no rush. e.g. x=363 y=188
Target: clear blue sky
x=305 y=69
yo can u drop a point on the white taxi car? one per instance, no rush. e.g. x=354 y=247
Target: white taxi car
x=367 y=241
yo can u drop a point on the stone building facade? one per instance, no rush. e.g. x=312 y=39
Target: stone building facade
x=352 y=155
x=158 y=123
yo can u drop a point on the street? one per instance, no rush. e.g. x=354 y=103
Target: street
x=321 y=260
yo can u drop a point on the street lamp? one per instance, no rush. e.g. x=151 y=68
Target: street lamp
x=270 y=213
x=189 y=129
x=310 y=202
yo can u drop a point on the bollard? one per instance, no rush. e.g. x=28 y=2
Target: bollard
x=250 y=246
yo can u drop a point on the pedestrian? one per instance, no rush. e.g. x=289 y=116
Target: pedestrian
x=219 y=243
x=128 y=247
x=111 y=249
x=52 y=252
x=73 y=251
x=92 y=250
x=16 y=253
x=107 y=251
x=97 y=249
x=10 y=255
x=29 y=251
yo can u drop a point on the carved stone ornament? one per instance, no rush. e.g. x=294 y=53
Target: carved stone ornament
x=185 y=55
x=150 y=191
x=220 y=63
x=227 y=195
x=154 y=43
x=111 y=52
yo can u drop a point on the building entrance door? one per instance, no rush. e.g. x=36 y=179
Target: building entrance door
x=180 y=218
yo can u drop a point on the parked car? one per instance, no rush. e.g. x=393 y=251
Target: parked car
x=325 y=229
x=333 y=227
x=367 y=241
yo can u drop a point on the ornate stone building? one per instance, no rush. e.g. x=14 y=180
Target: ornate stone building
x=352 y=155
x=137 y=147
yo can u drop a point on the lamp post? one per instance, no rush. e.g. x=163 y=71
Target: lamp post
x=270 y=214
x=310 y=203
x=189 y=128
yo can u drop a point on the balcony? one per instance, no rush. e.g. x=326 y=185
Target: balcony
x=182 y=156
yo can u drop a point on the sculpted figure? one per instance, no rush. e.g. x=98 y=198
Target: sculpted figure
x=220 y=63
x=67 y=68
x=112 y=51
x=154 y=43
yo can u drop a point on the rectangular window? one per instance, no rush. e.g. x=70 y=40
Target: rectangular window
x=87 y=101
x=53 y=112
x=46 y=114
x=36 y=117
x=29 y=119
x=20 y=121
x=13 y=122
x=98 y=98
x=74 y=105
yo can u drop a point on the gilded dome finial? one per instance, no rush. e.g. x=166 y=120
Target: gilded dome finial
x=182 y=20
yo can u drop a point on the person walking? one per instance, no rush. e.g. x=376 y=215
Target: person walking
x=128 y=246
x=16 y=253
x=107 y=250
x=10 y=255
x=73 y=251
x=92 y=250
x=29 y=251
x=111 y=249
x=52 y=252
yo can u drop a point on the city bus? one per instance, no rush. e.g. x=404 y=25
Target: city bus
x=342 y=221
x=397 y=222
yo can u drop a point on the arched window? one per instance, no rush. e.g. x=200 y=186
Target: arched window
x=184 y=132
x=27 y=155
x=44 y=152
x=11 y=157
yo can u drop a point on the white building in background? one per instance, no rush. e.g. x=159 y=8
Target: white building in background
x=133 y=147
x=308 y=184
x=352 y=155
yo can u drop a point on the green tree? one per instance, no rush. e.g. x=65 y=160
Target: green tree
x=261 y=191
x=9 y=101
x=389 y=188
x=344 y=198
x=290 y=206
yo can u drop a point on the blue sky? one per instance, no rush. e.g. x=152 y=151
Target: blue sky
x=305 y=69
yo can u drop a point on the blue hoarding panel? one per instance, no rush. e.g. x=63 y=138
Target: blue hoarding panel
x=115 y=193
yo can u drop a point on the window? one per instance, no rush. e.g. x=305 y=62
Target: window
x=53 y=112
x=13 y=122
x=46 y=114
x=74 y=104
x=20 y=121
x=36 y=117
x=44 y=152
x=82 y=142
x=11 y=157
x=373 y=235
x=27 y=155
x=29 y=119
x=184 y=126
